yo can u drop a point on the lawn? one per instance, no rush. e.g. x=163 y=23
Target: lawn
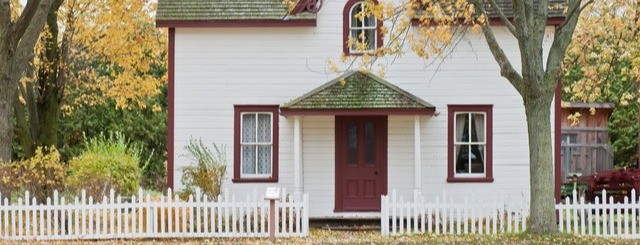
x=373 y=237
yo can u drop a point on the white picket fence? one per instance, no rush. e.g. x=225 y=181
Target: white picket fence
x=446 y=216
x=147 y=217
x=601 y=218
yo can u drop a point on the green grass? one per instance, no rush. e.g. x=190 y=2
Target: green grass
x=373 y=237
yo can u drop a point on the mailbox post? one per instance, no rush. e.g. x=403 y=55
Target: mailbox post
x=272 y=194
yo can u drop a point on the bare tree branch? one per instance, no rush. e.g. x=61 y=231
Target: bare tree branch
x=28 y=13
x=561 y=41
x=503 y=17
x=506 y=69
x=540 y=18
x=24 y=50
x=520 y=20
x=574 y=7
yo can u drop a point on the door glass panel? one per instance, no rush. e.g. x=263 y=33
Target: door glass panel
x=353 y=143
x=369 y=143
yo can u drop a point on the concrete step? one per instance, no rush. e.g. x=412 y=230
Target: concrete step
x=346 y=224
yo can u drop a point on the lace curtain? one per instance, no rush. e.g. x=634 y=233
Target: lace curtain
x=256 y=143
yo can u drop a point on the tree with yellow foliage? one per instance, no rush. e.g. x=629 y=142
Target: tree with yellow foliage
x=603 y=65
x=89 y=51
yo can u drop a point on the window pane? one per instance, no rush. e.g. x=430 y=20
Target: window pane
x=355 y=11
x=248 y=159
x=264 y=159
x=370 y=21
x=370 y=39
x=264 y=128
x=248 y=128
x=462 y=159
x=477 y=127
x=369 y=143
x=477 y=159
x=462 y=127
x=354 y=36
x=353 y=143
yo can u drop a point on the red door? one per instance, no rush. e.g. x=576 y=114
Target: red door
x=361 y=162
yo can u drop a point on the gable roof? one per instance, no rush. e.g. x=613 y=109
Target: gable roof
x=360 y=91
x=226 y=10
x=208 y=10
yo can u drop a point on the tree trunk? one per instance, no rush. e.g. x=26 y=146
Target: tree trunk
x=6 y=128
x=542 y=205
x=38 y=118
x=17 y=40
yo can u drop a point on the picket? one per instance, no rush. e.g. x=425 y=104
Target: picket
x=443 y=215
x=446 y=216
x=140 y=216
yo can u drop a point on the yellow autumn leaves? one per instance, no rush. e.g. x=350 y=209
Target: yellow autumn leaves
x=605 y=49
x=114 y=51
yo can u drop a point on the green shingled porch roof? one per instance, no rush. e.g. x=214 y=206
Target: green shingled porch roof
x=361 y=91
x=188 y=10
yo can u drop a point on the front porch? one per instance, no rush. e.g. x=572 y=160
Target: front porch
x=354 y=139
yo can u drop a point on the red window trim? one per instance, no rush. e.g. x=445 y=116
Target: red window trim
x=238 y=109
x=345 y=27
x=488 y=109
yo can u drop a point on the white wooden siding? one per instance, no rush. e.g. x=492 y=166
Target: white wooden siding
x=216 y=68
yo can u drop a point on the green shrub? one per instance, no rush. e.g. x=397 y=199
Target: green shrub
x=106 y=163
x=40 y=175
x=206 y=171
x=146 y=126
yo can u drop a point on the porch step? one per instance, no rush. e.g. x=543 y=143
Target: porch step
x=346 y=224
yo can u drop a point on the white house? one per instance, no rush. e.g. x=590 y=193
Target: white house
x=249 y=75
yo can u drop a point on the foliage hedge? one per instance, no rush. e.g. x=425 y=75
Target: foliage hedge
x=107 y=163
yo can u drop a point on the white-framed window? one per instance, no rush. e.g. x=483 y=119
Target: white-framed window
x=470 y=145
x=256 y=144
x=363 y=28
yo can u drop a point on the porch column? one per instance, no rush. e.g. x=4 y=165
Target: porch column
x=417 y=155
x=298 y=182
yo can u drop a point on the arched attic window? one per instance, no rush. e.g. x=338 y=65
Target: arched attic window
x=360 y=26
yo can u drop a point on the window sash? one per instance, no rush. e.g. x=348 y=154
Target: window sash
x=469 y=174
x=470 y=114
x=470 y=143
x=360 y=29
x=257 y=144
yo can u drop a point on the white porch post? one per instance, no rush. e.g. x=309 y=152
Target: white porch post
x=417 y=155
x=298 y=182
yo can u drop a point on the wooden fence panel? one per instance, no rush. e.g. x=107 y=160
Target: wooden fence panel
x=141 y=216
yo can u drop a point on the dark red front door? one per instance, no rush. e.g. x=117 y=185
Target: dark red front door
x=361 y=162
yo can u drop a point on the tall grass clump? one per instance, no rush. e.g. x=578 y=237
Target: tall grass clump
x=206 y=170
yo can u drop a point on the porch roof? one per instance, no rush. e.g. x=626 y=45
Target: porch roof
x=357 y=93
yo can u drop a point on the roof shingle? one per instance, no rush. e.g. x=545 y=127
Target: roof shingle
x=225 y=10
x=360 y=91
x=222 y=10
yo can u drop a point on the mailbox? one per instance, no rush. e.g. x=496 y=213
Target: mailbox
x=273 y=193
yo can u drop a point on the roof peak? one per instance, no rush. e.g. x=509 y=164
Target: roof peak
x=357 y=90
